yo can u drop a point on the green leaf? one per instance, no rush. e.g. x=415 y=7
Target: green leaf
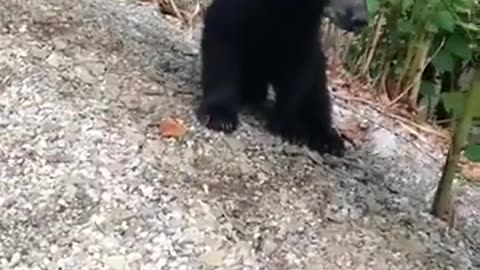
x=431 y=27
x=372 y=6
x=458 y=45
x=443 y=61
x=453 y=102
x=427 y=88
x=444 y=20
x=463 y=4
x=405 y=26
x=407 y=4
x=476 y=111
x=472 y=152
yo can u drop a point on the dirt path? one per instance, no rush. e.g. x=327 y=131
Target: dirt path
x=87 y=183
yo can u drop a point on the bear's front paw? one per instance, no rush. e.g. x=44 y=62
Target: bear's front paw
x=218 y=118
x=330 y=142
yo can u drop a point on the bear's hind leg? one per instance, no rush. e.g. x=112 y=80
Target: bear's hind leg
x=317 y=120
x=302 y=112
x=316 y=113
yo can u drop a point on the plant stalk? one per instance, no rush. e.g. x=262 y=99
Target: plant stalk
x=442 y=202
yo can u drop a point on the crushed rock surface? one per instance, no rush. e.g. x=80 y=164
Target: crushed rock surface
x=86 y=182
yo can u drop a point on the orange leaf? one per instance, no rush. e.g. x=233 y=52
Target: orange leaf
x=353 y=131
x=469 y=169
x=170 y=127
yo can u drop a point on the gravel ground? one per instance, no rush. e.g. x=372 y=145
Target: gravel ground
x=86 y=182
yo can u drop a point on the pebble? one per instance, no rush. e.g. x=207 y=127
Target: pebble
x=59 y=44
x=384 y=142
x=96 y=68
x=116 y=262
x=39 y=53
x=55 y=59
x=213 y=257
x=84 y=75
x=15 y=259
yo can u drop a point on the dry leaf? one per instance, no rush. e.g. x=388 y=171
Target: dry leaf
x=170 y=127
x=469 y=169
x=354 y=131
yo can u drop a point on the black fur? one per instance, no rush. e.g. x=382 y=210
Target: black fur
x=248 y=44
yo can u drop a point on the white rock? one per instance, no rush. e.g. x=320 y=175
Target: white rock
x=213 y=257
x=55 y=59
x=83 y=74
x=116 y=262
x=384 y=142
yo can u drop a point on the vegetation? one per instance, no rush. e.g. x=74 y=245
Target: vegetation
x=426 y=51
x=470 y=110
x=422 y=48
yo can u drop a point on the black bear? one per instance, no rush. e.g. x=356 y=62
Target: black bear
x=247 y=45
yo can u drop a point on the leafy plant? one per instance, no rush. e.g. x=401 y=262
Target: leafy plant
x=467 y=104
x=422 y=48
x=417 y=52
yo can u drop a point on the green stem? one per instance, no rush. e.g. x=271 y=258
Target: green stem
x=442 y=200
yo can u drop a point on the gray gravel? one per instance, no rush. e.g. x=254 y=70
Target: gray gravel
x=86 y=182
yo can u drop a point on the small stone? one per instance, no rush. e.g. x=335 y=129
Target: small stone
x=134 y=137
x=116 y=262
x=154 y=90
x=4 y=43
x=57 y=156
x=133 y=257
x=213 y=258
x=59 y=44
x=8 y=202
x=96 y=68
x=292 y=150
x=161 y=262
x=243 y=249
x=202 y=162
x=15 y=259
x=269 y=246
x=240 y=168
x=234 y=144
x=39 y=53
x=149 y=104
x=112 y=80
x=84 y=75
x=262 y=177
x=404 y=244
x=152 y=149
x=23 y=28
x=55 y=59
x=384 y=143
x=112 y=86
x=132 y=102
x=245 y=168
